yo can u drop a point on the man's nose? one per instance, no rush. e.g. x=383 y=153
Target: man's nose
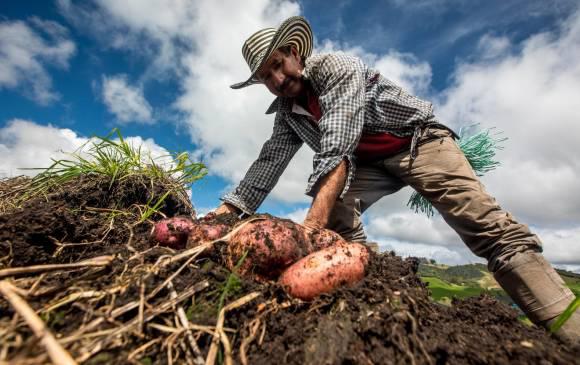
x=278 y=78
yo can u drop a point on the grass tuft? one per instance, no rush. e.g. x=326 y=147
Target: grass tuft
x=232 y=284
x=116 y=159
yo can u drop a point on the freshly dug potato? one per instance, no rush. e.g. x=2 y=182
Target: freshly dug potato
x=272 y=245
x=173 y=232
x=322 y=238
x=204 y=232
x=325 y=270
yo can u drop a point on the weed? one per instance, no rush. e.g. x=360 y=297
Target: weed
x=565 y=315
x=232 y=284
x=117 y=159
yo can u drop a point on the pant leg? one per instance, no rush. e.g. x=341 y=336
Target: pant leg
x=442 y=174
x=371 y=183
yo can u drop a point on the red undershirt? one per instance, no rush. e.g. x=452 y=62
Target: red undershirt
x=370 y=147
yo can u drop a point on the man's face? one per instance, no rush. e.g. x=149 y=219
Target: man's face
x=282 y=74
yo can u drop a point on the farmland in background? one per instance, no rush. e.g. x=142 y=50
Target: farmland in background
x=462 y=281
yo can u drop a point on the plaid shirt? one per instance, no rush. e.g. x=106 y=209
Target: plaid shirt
x=354 y=99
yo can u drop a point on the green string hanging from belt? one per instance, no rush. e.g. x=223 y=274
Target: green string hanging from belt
x=479 y=149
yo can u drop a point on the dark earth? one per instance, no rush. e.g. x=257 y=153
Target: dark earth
x=387 y=318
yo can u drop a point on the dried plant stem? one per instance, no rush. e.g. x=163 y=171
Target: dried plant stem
x=147 y=315
x=94 y=262
x=57 y=353
x=219 y=333
x=254 y=326
x=141 y=306
x=142 y=348
x=198 y=359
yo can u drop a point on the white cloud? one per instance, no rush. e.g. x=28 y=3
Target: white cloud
x=26 y=145
x=532 y=96
x=561 y=245
x=162 y=31
x=412 y=227
x=126 y=102
x=298 y=215
x=492 y=47
x=26 y=48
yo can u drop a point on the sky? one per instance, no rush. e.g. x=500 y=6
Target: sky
x=160 y=70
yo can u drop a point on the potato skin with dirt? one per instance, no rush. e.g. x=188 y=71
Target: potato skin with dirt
x=325 y=270
x=272 y=245
x=204 y=232
x=173 y=232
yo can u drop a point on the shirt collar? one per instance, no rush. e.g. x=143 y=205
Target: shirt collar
x=280 y=104
x=287 y=104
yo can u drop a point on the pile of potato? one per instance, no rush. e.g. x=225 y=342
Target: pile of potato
x=306 y=263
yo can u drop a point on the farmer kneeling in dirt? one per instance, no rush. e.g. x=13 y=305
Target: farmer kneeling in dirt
x=371 y=138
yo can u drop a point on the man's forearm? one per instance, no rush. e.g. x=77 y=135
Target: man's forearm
x=330 y=188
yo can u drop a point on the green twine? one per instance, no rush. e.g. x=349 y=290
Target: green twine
x=479 y=149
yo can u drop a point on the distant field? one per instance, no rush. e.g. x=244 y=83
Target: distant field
x=441 y=289
x=573 y=282
x=447 y=282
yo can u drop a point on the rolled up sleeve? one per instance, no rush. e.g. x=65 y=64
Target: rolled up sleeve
x=341 y=80
x=264 y=173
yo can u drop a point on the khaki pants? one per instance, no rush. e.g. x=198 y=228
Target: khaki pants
x=442 y=174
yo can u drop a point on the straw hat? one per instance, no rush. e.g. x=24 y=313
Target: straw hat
x=294 y=31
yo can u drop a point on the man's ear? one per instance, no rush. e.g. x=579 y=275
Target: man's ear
x=296 y=55
x=294 y=52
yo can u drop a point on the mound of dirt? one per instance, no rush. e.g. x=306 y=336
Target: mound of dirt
x=132 y=310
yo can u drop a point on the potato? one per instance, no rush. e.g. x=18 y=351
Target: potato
x=325 y=270
x=173 y=232
x=322 y=238
x=272 y=245
x=206 y=232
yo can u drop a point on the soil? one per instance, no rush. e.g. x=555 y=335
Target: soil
x=387 y=318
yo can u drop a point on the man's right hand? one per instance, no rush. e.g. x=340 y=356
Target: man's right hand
x=226 y=208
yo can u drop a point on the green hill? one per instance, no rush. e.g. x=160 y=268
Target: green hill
x=462 y=281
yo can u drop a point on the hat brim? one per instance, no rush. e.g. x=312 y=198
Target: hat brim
x=294 y=31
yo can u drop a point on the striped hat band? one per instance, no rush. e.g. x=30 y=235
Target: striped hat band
x=294 y=31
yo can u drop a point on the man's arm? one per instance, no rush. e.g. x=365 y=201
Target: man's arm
x=330 y=188
x=341 y=82
x=226 y=208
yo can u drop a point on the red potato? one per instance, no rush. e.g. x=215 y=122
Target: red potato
x=206 y=232
x=173 y=232
x=272 y=245
x=322 y=238
x=325 y=270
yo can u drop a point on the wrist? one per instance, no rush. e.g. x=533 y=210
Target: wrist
x=226 y=208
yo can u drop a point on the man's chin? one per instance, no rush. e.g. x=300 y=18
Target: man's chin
x=293 y=90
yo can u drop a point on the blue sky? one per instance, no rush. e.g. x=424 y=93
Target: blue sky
x=160 y=70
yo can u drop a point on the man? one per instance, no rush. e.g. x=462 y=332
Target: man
x=370 y=139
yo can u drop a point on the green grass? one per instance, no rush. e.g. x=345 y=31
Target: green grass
x=441 y=289
x=566 y=315
x=117 y=159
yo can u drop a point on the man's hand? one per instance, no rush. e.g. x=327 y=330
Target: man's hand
x=226 y=208
x=330 y=188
